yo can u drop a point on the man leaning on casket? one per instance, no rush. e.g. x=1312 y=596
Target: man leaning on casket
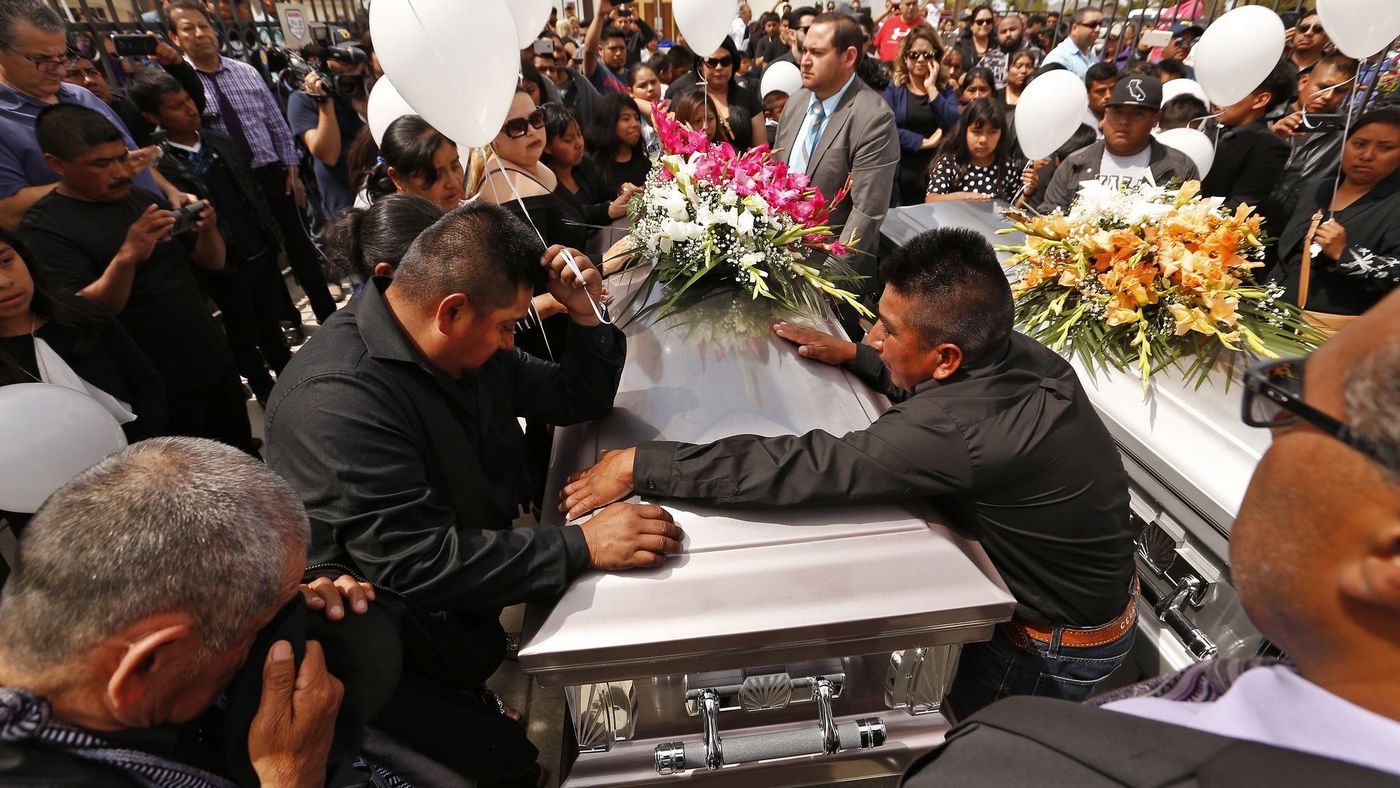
x=987 y=425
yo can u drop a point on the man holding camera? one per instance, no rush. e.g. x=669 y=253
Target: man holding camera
x=326 y=113
x=249 y=114
x=120 y=247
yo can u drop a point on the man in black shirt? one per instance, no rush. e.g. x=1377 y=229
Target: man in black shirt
x=249 y=290
x=989 y=426
x=397 y=425
x=1249 y=158
x=100 y=237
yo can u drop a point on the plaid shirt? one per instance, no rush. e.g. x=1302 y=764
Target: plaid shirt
x=268 y=136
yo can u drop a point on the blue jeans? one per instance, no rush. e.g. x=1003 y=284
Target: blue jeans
x=990 y=671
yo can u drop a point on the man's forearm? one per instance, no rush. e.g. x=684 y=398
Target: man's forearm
x=12 y=208
x=209 y=250
x=324 y=140
x=591 y=40
x=113 y=288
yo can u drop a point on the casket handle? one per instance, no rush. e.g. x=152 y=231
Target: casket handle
x=828 y=738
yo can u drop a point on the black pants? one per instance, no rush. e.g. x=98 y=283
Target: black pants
x=252 y=298
x=216 y=410
x=301 y=253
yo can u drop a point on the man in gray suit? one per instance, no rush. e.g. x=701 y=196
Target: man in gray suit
x=835 y=127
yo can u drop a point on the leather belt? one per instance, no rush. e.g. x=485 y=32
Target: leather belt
x=1019 y=631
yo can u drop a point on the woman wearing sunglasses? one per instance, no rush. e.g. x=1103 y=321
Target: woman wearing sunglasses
x=925 y=107
x=981 y=36
x=740 y=111
x=1348 y=242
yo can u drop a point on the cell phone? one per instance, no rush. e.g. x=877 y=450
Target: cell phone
x=545 y=46
x=1156 y=39
x=134 y=45
x=1290 y=19
x=186 y=217
x=1322 y=122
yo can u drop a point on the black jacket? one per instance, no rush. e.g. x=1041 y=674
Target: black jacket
x=1249 y=161
x=142 y=130
x=413 y=478
x=1010 y=449
x=1370 y=266
x=178 y=172
x=1167 y=164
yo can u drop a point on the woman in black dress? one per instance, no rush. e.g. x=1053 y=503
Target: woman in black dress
x=925 y=108
x=614 y=139
x=580 y=187
x=740 y=111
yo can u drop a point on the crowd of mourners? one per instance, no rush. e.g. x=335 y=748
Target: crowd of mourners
x=335 y=619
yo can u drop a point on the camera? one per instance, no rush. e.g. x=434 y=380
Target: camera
x=134 y=45
x=185 y=218
x=1318 y=122
x=327 y=44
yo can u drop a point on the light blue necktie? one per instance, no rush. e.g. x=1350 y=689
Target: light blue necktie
x=814 y=133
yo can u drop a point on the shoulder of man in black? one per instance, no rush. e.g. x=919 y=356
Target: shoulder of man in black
x=24 y=765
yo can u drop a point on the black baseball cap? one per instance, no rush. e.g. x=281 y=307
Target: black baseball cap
x=1137 y=91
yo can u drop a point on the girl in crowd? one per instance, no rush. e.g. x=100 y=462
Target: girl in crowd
x=697 y=110
x=416 y=159
x=614 y=139
x=977 y=83
x=49 y=337
x=366 y=242
x=646 y=90
x=1353 y=258
x=740 y=111
x=954 y=65
x=925 y=107
x=581 y=189
x=533 y=81
x=1019 y=70
x=982 y=28
x=976 y=162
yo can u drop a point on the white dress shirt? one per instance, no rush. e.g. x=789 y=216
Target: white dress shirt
x=797 y=158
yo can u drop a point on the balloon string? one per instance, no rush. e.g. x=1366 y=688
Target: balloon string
x=1020 y=191
x=598 y=311
x=1337 y=178
x=1308 y=125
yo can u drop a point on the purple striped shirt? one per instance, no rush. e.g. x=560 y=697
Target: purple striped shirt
x=268 y=136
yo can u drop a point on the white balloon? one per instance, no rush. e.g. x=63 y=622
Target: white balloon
x=385 y=107
x=1195 y=144
x=1360 y=28
x=781 y=76
x=454 y=62
x=52 y=433
x=1050 y=110
x=529 y=16
x=705 y=23
x=1237 y=52
x=1183 y=87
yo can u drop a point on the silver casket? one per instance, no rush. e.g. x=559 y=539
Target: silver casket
x=785 y=646
x=1189 y=458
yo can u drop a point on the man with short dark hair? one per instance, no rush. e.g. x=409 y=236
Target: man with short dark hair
x=605 y=52
x=575 y=90
x=1311 y=151
x=794 y=36
x=1127 y=154
x=1076 y=52
x=767 y=45
x=397 y=424
x=1249 y=158
x=1099 y=80
x=1307 y=42
x=34 y=57
x=108 y=240
x=983 y=424
x=836 y=129
x=250 y=115
x=327 y=114
x=1010 y=40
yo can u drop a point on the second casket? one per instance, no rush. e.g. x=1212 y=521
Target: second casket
x=785 y=646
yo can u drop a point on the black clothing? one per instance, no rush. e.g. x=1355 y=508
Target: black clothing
x=1309 y=156
x=1010 y=449
x=220 y=174
x=767 y=47
x=166 y=313
x=115 y=365
x=744 y=106
x=913 y=165
x=253 y=301
x=413 y=478
x=141 y=129
x=1370 y=266
x=614 y=174
x=638 y=40
x=302 y=255
x=1249 y=161
x=1043 y=741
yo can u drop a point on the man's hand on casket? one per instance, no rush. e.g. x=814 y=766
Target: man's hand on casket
x=817 y=345
x=577 y=295
x=610 y=480
x=629 y=535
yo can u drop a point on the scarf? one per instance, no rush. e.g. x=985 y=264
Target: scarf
x=1203 y=682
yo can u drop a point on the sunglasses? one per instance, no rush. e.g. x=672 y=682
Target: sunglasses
x=981 y=22
x=719 y=62
x=1309 y=28
x=922 y=54
x=1273 y=397
x=1091 y=25
x=515 y=128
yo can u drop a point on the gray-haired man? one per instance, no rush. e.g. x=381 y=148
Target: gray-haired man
x=140 y=588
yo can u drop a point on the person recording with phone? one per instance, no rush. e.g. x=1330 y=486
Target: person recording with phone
x=103 y=237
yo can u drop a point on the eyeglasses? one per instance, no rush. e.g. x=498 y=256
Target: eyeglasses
x=515 y=128
x=1273 y=397
x=51 y=64
x=922 y=54
x=719 y=62
x=1309 y=28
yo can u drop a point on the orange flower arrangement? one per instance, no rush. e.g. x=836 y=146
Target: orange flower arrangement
x=1147 y=276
